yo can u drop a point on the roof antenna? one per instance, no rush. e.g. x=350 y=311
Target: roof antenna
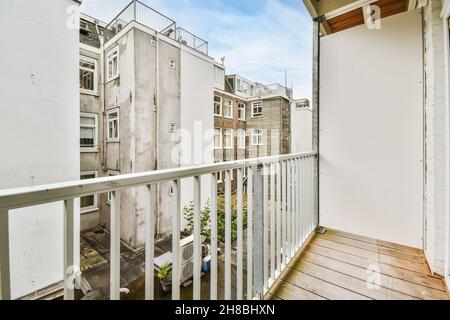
x=223 y=60
x=285 y=79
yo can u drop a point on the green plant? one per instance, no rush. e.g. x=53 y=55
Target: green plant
x=205 y=220
x=165 y=272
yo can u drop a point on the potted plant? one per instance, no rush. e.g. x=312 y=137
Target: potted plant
x=165 y=277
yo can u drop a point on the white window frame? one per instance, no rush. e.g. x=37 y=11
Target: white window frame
x=220 y=139
x=225 y=108
x=256 y=115
x=255 y=134
x=94 y=207
x=111 y=173
x=95 y=116
x=113 y=139
x=240 y=104
x=108 y=60
x=225 y=146
x=220 y=106
x=241 y=139
x=95 y=71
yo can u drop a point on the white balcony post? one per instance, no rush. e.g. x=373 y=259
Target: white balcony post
x=149 y=244
x=197 y=239
x=250 y=233
x=176 y=259
x=258 y=233
x=240 y=238
x=5 y=277
x=227 y=235
x=69 y=250
x=115 y=247
x=273 y=214
x=213 y=236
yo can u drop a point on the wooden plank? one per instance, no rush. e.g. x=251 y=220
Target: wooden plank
x=409 y=288
x=387 y=244
x=319 y=287
x=287 y=291
x=269 y=296
x=372 y=256
x=386 y=269
x=350 y=283
x=375 y=248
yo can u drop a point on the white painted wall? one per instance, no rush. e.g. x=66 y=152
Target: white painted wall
x=301 y=129
x=197 y=119
x=371 y=138
x=39 y=123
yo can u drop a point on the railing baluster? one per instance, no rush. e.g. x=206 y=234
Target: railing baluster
x=249 y=233
x=227 y=235
x=69 y=249
x=265 y=225
x=311 y=192
x=258 y=232
x=299 y=211
x=288 y=209
x=278 y=206
x=240 y=240
x=149 y=245
x=176 y=259
x=294 y=207
x=5 y=276
x=304 y=200
x=115 y=246
x=272 y=222
x=213 y=236
x=197 y=238
x=283 y=202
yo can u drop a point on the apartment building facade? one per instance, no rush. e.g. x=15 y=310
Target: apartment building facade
x=139 y=83
x=268 y=122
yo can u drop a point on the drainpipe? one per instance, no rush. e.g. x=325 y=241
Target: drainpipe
x=156 y=110
x=102 y=96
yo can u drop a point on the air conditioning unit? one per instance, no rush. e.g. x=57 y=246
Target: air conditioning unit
x=187 y=258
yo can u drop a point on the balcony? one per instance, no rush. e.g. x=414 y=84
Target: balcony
x=278 y=192
x=140 y=13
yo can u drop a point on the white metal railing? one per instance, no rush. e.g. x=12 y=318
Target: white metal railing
x=280 y=217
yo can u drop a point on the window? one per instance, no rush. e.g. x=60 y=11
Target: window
x=111 y=174
x=219 y=74
x=113 y=64
x=88 y=131
x=257 y=110
x=241 y=139
x=228 y=133
x=217 y=138
x=257 y=137
x=88 y=203
x=228 y=108
x=88 y=75
x=113 y=125
x=241 y=111
x=217 y=106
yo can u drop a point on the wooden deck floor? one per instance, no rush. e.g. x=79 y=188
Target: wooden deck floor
x=343 y=266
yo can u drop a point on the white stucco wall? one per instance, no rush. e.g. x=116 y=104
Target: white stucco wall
x=437 y=143
x=197 y=119
x=301 y=129
x=39 y=94
x=371 y=130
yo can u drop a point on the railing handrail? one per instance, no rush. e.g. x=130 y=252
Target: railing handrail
x=29 y=196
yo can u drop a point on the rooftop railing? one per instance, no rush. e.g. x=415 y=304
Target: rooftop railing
x=279 y=194
x=143 y=14
x=187 y=38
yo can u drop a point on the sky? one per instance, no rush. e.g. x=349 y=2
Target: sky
x=260 y=39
